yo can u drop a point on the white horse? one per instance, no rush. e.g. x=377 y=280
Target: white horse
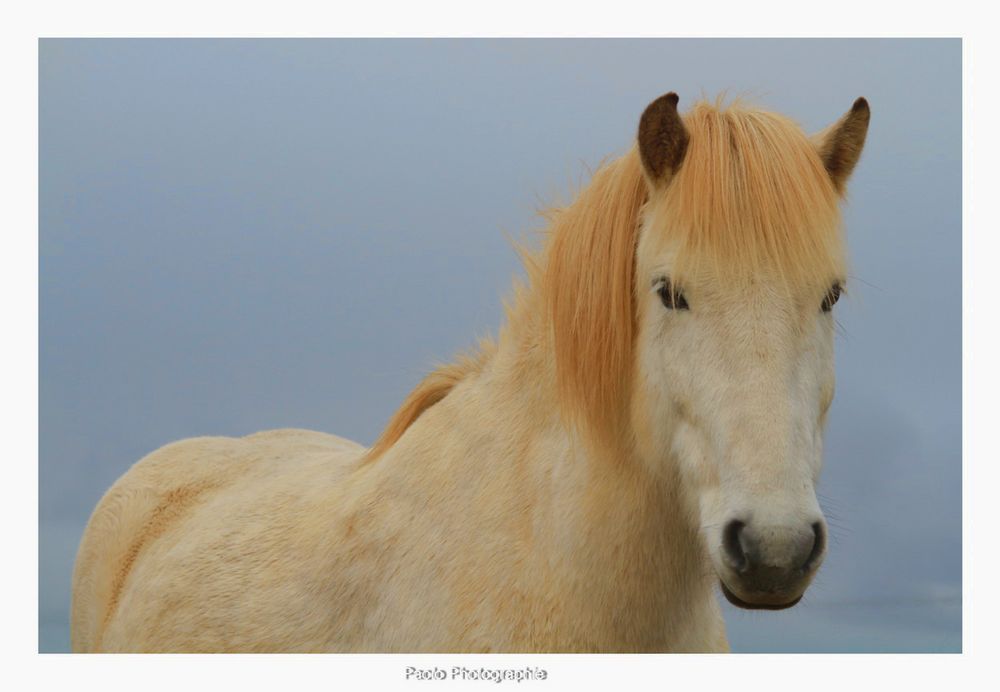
x=648 y=424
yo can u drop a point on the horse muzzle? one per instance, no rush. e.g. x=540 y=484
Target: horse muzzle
x=769 y=567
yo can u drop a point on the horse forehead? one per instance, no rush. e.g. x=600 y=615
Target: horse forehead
x=765 y=311
x=759 y=294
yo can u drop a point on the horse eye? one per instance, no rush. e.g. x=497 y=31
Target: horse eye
x=832 y=296
x=672 y=298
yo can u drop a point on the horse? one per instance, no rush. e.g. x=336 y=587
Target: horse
x=646 y=426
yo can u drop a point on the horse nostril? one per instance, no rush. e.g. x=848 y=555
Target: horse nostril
x=819 y=545
x=733 y=547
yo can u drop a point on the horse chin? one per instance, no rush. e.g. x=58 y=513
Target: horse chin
x=740 y=603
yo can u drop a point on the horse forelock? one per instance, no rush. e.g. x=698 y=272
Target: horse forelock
x=752 y=197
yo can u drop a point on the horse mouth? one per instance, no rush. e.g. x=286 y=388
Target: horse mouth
x=740 y=603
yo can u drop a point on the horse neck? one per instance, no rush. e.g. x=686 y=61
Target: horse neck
x=609 y=497
x=604 y=540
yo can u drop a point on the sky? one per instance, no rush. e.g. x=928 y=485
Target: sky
x=239 y=235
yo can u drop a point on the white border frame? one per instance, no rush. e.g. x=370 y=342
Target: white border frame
x=19 y=276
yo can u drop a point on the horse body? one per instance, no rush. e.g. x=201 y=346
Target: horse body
x=463 y=536
x=580 y=485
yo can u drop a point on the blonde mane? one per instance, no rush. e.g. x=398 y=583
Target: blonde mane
x=587 y=285
x=751 y=197
x=432 y=389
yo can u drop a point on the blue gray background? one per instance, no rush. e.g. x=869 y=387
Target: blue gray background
x=238 y=235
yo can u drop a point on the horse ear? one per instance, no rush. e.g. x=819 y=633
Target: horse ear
x=840 y=145
x=663 y=139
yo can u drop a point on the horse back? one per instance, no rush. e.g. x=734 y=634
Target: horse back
x=153 y=503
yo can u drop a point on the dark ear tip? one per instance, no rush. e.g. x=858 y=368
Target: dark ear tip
x=668 y=101
x=861 y=104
